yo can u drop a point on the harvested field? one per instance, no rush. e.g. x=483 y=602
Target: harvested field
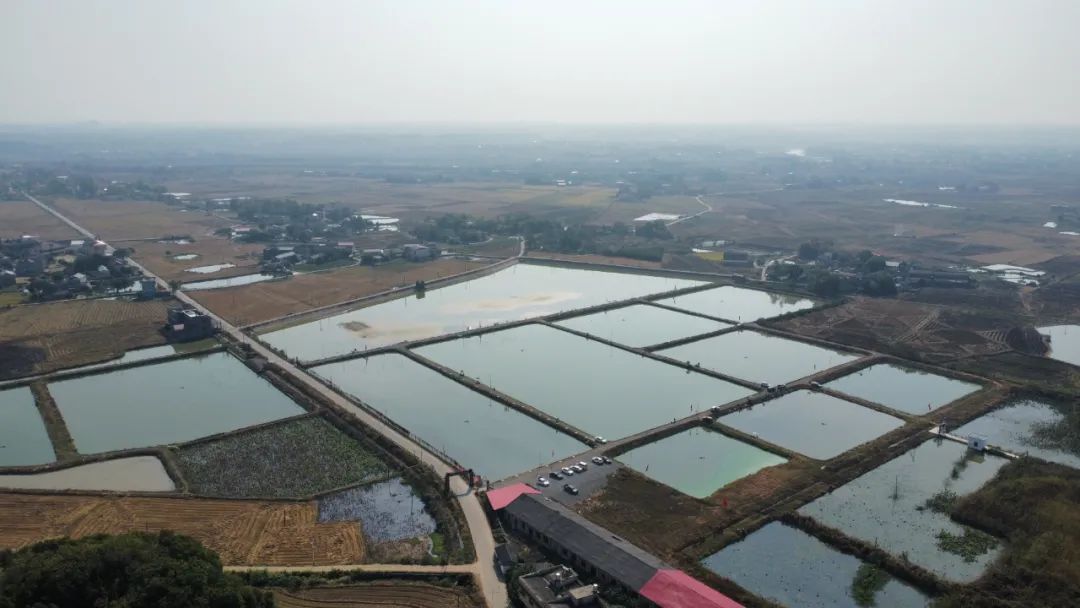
x=389 y=594
x=295 y=459
x=159 y=257
x=264 y=301
x=23 y=217
x=117 y=220
x=242 y=532
x=46 y=337
x=906 y=329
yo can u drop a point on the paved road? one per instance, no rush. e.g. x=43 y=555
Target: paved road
x=484 y=568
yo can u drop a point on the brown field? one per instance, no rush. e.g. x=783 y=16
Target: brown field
x=117 y=220
x=23 y=217
x=389 y=594
x=242 y=532
x=263 y=301
x=40 y=338
x=158 y=257
x=594 y=259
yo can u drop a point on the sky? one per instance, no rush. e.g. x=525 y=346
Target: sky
x=1000 y=62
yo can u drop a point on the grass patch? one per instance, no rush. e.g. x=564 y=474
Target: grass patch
x=438 y=544
x=869 y=579
x=969 y=545
x=291 y=460
x=11 y=298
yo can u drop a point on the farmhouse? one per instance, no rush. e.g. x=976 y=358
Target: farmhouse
x=187 y=324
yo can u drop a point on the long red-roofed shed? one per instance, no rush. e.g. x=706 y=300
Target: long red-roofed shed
x=677 y=589
x=500 y=497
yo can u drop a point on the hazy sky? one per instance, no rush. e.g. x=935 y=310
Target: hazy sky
x=660 y=61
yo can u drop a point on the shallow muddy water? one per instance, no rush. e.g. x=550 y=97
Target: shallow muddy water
x=23 y=439
x=600 y=389
x=642 y=325
x=903 y=389
x=739 y=304
x=134 y=474
x=495 y=440
x=518 y=292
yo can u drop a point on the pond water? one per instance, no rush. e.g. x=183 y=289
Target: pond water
x=135 y=474
x=739 y=304
x=1064 y=342
x=476 y=431
x=210 y=269
x=167 y=403
x=792 y=568
x=387 y=511
x=758 y=357
x=884 y=507
x=185 y=256
x=698 y=461
x=642 y=325
x=815 y=424
x=907 y=390
x=152 y=352
x=600 y=389
x=518 y=292
x=1042 y=429
x=244 y=279
x=23 y=438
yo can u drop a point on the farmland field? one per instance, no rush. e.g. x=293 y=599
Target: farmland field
x=23 y=217
x=382 y=594
x=112 y=220
x=47 y=337
x=294 y=459
x=263 y=301
x=160 y=258
x=242 y=532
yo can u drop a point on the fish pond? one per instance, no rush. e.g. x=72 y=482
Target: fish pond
x=815 y=424
x=758 y=357
x=642 y=325
x=152 y=352
x=907 y=390
x=166 y=403
x=244 y=279
x=134 y=474
x=518 y=292
x=1047 y=430
x=23 y=438
x=495 y=440
x=787 y=566
x=211 y=269
x=1064 y=342
x=698 y=461
x=893 y=507
x=600 y=389
x=387 y=511
x=739 y=304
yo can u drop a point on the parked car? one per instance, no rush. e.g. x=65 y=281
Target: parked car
x=576 y=469
x=607 y=460
x=599 y=439
x=569 y=489
x=584 y=465
x=555 y=475
x=567 y=471
x=542 y=482
x=597 y=460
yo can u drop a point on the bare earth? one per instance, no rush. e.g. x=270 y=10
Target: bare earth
x=159 y=258
x=114 y=220
x=18 y=218
x=389 y=594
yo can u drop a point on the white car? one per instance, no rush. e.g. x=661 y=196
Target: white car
x=597 y=460
x=583 y=465
x=542 y=482
x=567 y=471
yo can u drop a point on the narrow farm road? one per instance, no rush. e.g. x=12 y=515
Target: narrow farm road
x=701 y=201
x=484 y=568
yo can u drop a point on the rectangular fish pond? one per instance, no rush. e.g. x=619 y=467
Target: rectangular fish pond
x=698 y=461
x=787 y=566
x=23 y=438
x=815 y=424
x=518 y=292
x=387 y=511
x=758 y=357
x=1045 y=429
x=600 y=389
x=244 y=279
x=132 y=474
x=739 y=304
x=893 y=507
x=642 y=325
x=903 y=389
x=166 y=403
x=496 y=440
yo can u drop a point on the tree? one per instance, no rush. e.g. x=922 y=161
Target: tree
x=878 y=284
x=810 y=251
x=174 y=285
x=164 y=570
x=654 y=230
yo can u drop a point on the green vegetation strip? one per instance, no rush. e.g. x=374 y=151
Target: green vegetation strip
x=292 y=460
x=869 y=579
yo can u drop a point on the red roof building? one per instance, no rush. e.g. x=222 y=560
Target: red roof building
x=677 y=589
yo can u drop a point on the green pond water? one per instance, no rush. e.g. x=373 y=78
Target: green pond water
x=495 y=440
x=1041 y=429
x=518 y=292
x=882 y=506
x=903 y=389
x=814 y=424
x=792 y=568
x=642 y=325
x=167 y=403
x=758 y=357
x=1064 y=342
x=600 y=389
x=698 y=462
x=23 y=439
x=739 y=304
